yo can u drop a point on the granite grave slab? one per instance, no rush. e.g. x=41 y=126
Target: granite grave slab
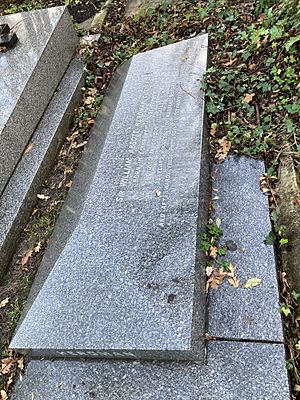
x=239 y=313
x=130 y=283
x=234 y=371
x=19 y=196
x=30 y=73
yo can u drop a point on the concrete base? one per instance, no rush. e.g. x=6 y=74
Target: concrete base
x=234 y=371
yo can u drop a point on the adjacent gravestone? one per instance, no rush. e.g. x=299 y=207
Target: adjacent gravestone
x=129 y=282
x=30 y=73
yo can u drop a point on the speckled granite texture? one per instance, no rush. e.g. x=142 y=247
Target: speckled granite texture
x=30 y=73
x=131 y=287
x=234 y=371
x=20 y=193
x=245 y=313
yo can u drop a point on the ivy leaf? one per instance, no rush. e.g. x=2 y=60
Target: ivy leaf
x=291 y=42
x=270 y=239
x=276 y=32
x=295 y=295
x=285 y=310
x=283 y=241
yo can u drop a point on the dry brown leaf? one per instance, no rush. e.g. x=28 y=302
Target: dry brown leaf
x=234 y=282
x=38 y=247
x=6 y=365
x=89 y=100
x=248 y=98
x=77 y=146
x=216 y=278
x=92 y=91
x=42 y=197
x=9 y=381
x=209 y=270
x=264 y=185
x=213 y=129
x=28 y=148
x=26 y=257
x=4 y=302
x=224 y=148
x=21 y=363
x=297 y=201
x=213 y=251
x=3 y=395
x=232 y=277
x=69 y=184
x=229 y=63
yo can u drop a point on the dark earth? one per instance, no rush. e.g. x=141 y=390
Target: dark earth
x=79 y=10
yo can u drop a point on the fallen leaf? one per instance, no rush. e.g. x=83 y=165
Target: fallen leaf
x=26 y=257
x=264 y=185
x=229 y=63
x=28 y=148
x=89 y=100
x=234 y=282
x=209 y=270
x=248 y=97
x=213 y=129
x=215 y=279
x=21 y=363
x=6 y=365
x=224 y=148
x=69 y=184
x=3 y=395
x=77 y=146
x=42 y=197
x=297 y=201
x=251 y=283
x=213 y=251
x=10 y=381
x=4 y=302
x=38 y=247
x=232 y=277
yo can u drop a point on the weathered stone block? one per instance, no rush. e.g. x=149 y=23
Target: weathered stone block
x=20 y=193
x=30 y=73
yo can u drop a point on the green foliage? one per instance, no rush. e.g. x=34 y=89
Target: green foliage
x=285 y=309
x=212 y=235
x=270 y=239
x=72 y=2
x=24 y=6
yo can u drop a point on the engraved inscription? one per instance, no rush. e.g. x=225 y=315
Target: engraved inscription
x=153 y=143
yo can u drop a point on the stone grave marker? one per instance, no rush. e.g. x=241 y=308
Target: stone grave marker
x=30 y=73
x=130 y=281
